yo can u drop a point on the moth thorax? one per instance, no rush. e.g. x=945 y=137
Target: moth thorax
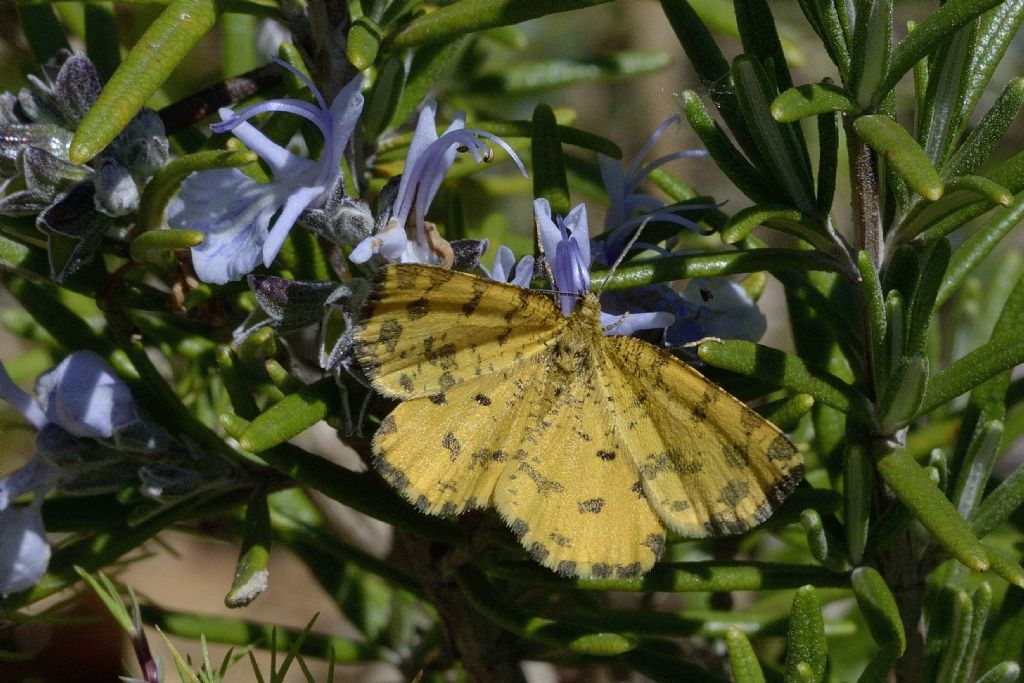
x=573 y=351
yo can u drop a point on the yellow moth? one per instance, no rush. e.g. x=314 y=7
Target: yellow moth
x=588 y=446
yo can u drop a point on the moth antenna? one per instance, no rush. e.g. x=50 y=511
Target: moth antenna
x=622 y=255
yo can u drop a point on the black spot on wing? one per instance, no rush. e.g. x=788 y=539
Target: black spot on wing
x=734 y=493
x=601 y=570
x=561 y=540
x=566 y=568
x=606 y=455
x=735 y=456
x=482 y=399
x=390 y=333
x=452 y=445
x=391 y=474
x=538 y=552
x=656 y=543
x=519 y=528
x=439 y=399
x=415 y=310
x=387 y=426
x=593 y=506
x=781 y=449
x=627 y=571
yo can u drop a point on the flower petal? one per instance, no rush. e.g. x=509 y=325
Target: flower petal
x=524 y=272
x=345 y=111
x=233 y=211
x=504 y=262
x=550 y=235
x=24 y=550
x=293 y=206
x=281 y=161
x=629 y=323
x=35 y=475
x=86 y=398
x=20 y=400
x=727 y=311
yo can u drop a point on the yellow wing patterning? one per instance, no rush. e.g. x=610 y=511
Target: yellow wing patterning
x=588 y=446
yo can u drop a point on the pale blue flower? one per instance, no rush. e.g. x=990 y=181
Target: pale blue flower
x=234 y=212
x=628 y=208
x=505 y=264
x=721 y=308
x=82 y=398
x=24 y=550
x=566 y=244
x=428 y=162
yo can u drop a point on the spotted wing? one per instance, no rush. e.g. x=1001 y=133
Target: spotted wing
x=571 y=493
x=709 y=464
x=427 y=329
x=445 y=452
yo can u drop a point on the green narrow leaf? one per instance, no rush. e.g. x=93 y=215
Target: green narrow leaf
x=163 y=240
x=549 y=181
x=757 y=31
x=781 y=144
x=383 y=98
x=1006 y=640
x=712 y=68
x=981 y=605
x=101 y=38
x=959 y=633
x=469 y=16
x=292 y=415
x=806 y=638
x=238 y=47
x=996 y=29
x=364 y=40
x=1000 y=504
x=744 y=175
x=985 y=362
x=872 y=50
x=785 y=370
x=67 y=327
x=149 y=63
x=940 y=122
x=879 y=608
x=742 y=660
x=251 y=573
x=979 y=245
x=43 y=32
x=425 y=69
x=787 y=413
x=877 y=321
x=786 y=218
x=238 y=392
x=106 y=591
x=981 y=450
x=830 y=28
x=919 y=315
x=983 y=187
x=903 y=393
x=812 y=99
x=928 y=35
x=533 y=77
x=1005 y=566
x=911 y=485
x=1003 y=672
x=858 y=480
x=905 y=157
x=985 y=137
x=828 y=162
